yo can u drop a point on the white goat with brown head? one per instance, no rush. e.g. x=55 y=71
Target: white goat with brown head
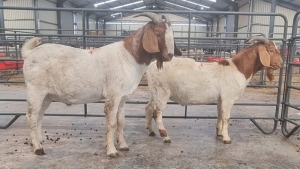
x=70 y=75
x=192 y=83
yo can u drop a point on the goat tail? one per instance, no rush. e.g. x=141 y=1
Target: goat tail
x=29 y=45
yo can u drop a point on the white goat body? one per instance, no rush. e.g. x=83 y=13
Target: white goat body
x=191 y=83
x=69 y=75
x=73 y=76
x=188 y=82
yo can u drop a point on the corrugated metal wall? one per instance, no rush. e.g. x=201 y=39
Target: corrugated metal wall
x=19 y=19
x=47 y=19
x=243 y=19
x=67 y=22
x=261 y=23
x=179 y=24
x=78 y=23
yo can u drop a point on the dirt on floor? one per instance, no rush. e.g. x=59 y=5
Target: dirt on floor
x=79 y=142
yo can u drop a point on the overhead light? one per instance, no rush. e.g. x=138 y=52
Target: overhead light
x=213 y=0
x=195 y=3
x=115 y=14
x=121 y=6
x=179 y=6
x=139 y=8
x=105 y=2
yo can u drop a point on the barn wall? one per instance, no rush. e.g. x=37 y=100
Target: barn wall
x=19 y=19
x=47 y=19
x=180 y=24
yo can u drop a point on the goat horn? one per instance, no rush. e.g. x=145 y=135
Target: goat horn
x=154 y=17
x=257 y=38
x=167 y=19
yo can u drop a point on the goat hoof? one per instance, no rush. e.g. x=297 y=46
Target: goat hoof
x=39 y=152
x=227 y=141
x=113 y=155
x=167 y=141
x=124 y=149
x=152 y=133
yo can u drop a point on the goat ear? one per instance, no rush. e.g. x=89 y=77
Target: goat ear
x=264 y=56
x=150 y=42
x=177 y=52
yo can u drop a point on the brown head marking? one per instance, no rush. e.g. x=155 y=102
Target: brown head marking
x=257 y=57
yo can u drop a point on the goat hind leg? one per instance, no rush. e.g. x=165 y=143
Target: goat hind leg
x=34 y=118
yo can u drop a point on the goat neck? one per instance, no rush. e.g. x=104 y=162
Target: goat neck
x=247 y=61
x=134 y=45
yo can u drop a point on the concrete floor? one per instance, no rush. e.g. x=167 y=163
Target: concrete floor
x=194 y=143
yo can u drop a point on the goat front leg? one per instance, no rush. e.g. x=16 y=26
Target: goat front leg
x=225 y=116
x=110 y=110
x=219 y=120
x=162 y=131
x=149 y=114
x=121 y=122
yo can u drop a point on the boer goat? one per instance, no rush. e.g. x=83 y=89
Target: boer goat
x=70 y=75
x=192 y=83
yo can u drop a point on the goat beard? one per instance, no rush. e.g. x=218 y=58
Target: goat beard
x=159 y=63
x=270 y=74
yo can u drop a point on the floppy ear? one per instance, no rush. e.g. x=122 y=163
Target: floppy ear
x=150 y=42
x=177 y=52
x=264 y=56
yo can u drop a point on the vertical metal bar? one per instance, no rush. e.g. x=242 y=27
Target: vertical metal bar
x=272 y=18
x=207 y=29
x=36 y=18
x=16 y=46
x=2 y=26
x=185 y=112
x=249 y=27
x=87 y=22
x=121 y=22
x=218 y=25
x=97 y=25
x=85 y=110
x=189 y=34
x=104 y=27
x=83 y=30
x=59 y=4
x=212 y=28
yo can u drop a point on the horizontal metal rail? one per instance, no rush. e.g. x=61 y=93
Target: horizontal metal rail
x=86 y=40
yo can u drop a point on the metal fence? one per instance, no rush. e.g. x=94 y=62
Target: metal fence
x=290 y=123
x=218 y=44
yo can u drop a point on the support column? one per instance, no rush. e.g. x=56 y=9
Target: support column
x=59 y=4
x=218 y=25
x=2 y=26
x=36 y=18
x=272 y=18
x=249 y=27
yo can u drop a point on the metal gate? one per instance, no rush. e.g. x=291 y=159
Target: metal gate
x=290 y=121
x=86 y=41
